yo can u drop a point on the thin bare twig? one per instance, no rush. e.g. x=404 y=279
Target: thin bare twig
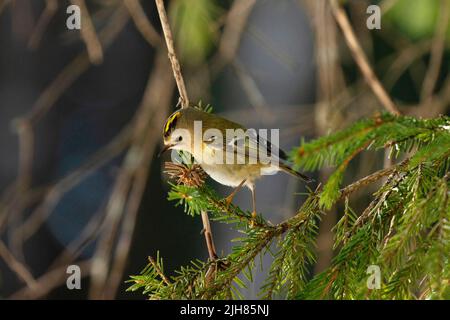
x=76 y=68
x=46 y=101
x=125 y=197
x=88 y=34
x=437 y=52
x=172 y=56
x=252 y=91
x=48 y=281
x=208 y=236
x=142 y=23
x=16 y=266
x=73 y=250
x=26 y=150
x=51 y=7
x=158 y=94
x=235 y=23
x=330 y=84
x=387 y=5
x=184 y=104
x=438 y=104
x=55 y=193
x=404 y=59
x=361 y=59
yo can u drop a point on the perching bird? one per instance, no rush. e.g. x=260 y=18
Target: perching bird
x=227 y=156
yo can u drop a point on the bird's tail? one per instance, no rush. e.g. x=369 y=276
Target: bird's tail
x=287 y=168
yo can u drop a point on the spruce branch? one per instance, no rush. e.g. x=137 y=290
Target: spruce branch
x=158 y=269
x=404 y=229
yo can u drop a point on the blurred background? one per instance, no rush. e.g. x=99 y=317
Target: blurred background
x=81 y=116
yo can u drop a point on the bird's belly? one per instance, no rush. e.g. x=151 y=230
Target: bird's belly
x=231 y=175
x=227 y=174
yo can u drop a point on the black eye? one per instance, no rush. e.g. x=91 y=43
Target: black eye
x=180 y=138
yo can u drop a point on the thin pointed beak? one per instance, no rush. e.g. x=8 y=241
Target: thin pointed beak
x=164 y=149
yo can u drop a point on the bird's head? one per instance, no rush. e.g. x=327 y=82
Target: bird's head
x=176 y=134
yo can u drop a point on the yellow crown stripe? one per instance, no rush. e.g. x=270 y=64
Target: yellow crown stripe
x=170 y=120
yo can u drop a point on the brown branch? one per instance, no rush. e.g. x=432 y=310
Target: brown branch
x=73 y=250
x=172 y=56
x=48 y=98
x=208 y=237
x=130 y=216
x=88 y=34
x=328 y=111
x=17 y=205
x=437 y=52
x=437 y=104
x=142 y=23
x=158 y=95
x=361 y=59
x=184 y=104
x=387 y=5
x=125 y=197
x=43 y=105
x=75 y=68
x=40 y=214
x=47 y=282
x=16 y=266
x=26 y=150
x=251 y=90
x=235 y=23
x=51 y=7
x=404 y=59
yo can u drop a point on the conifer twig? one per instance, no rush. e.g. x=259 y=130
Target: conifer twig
x=158 y=270
x=365 y=181
x=369 y=179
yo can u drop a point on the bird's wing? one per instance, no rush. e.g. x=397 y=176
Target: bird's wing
x=247 y=147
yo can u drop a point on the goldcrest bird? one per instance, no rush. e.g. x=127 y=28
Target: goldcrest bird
x=227 y=156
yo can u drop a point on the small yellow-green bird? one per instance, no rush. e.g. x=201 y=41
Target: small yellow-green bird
x=220 y=141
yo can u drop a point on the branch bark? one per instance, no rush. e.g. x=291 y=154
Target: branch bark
x=176 y=68
x=361 y=58
x=184 y=104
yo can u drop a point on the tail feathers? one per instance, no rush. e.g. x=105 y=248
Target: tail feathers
x=288 y=169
